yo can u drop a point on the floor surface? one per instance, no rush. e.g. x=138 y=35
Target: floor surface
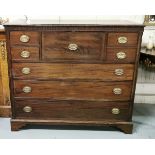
x=143 y=119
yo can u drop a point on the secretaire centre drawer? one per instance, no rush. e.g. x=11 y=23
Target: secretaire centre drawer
x=73 y=45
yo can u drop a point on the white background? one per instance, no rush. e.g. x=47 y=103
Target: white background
x=78 y=8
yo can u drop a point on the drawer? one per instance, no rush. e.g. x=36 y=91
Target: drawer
x=73 y=90
x=71 y=110
x=122 y=39
x=24 y=38
x=121 y=55
x=25 y=53
x=73 y=46
x=105 y=72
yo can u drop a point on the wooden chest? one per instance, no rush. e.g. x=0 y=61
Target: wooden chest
x=73 y=74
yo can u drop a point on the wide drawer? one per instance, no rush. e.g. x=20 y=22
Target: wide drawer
x=71 y=110
x=25 y=53
x=73 y=46
x=73 y=90
x=122 y=39
x=106 y=72
x=24 y=38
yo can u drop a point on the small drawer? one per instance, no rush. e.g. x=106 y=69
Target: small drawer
x=71 y=110
x=121 y=55
x=122 y=39
x=24 y=38
x=25 y=53
x=73 y=46
x=105 y=72
x=74 y=90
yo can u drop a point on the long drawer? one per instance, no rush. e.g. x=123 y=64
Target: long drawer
x=106 y=72
x=73 y=90
x=71 y=110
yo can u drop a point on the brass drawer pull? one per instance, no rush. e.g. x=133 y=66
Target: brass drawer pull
x=27 y=109
x=121 y=55
x=27 y=89
x=119 y=72
x=26 y=70
x=122 y=40
x=73 y=47
x=117 y=91
x=115 y=111
x=25 y=54
x=24 y=38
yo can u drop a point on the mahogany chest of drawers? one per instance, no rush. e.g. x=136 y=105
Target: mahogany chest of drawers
x=73 y=74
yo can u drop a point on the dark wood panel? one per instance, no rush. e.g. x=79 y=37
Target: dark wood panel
x=132 y=39
x=15 y=37
x=104 y=72
x=112 y=55
x=71 y=110
x=90 y=45
x=33 y=53
x=73 y=90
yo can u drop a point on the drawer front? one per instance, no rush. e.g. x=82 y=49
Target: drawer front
x=24 y=38
x=122 y=39
x=106 y=72
x=71 y=110
x=25 y=53
x=73 y=90
x=73 y=46
x=121 y=55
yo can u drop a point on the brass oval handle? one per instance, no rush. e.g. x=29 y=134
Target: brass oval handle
x=27 y=109
x=73 y=47
x=121 y=55
x=119 y=71
x=26 y=70
x=25 y=54
x=115 y=111
x=122 y=40
x=27 y=89
x=24 y=38
x=117 y=91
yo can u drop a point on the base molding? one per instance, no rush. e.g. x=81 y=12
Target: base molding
x=5 y=111
x=17 y=124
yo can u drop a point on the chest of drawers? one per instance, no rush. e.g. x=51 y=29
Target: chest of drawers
x=73 y=74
